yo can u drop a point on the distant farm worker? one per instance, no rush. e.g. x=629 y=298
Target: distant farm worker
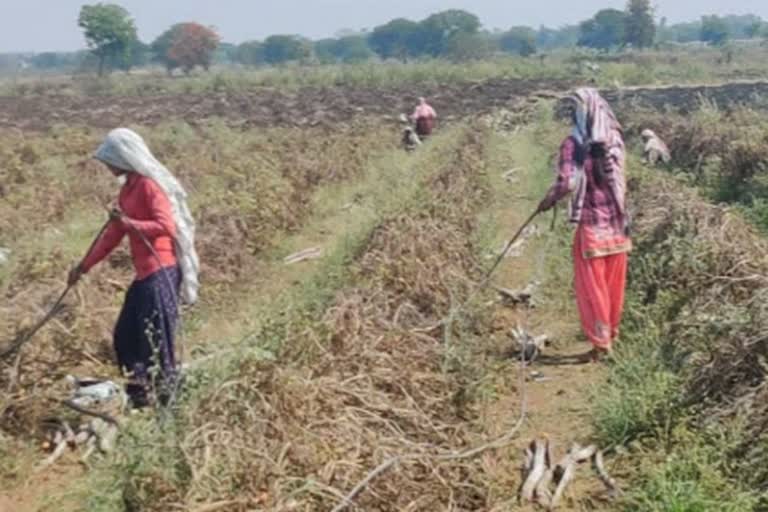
x=152 y=211
x=410 y=141
x=424 y=117
x=655 y=151
x=591 y=169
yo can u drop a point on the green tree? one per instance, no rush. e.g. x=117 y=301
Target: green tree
x=682 y=32
x=519 y=40
x=326 y=50
x=162 y=45
x=251 y=53
x=282 y=48
x=564 y=37
x=398 y=39
x=754 y=29
x=463 y=46
x=438 y=29
x=138 y=56
x=47 y=60
x=226 y=53
x=354 y=48
x=640 y=29
x=348 y=49
x=109 y=32
x=714 y=30
x=606 y=30
x=742 y=26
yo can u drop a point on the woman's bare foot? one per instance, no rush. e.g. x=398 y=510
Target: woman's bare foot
x=600 y=354
x=596 y=355
x=587 y=358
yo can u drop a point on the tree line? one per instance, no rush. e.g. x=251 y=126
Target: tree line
x=113 y=44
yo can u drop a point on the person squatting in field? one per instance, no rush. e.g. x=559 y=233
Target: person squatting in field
x=424 y=117
x=592 y=169
x=655 y=150
x=410 y=140
x=153 y=213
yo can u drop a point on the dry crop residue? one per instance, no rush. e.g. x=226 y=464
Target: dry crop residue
x=255 y=186
x=359 y=385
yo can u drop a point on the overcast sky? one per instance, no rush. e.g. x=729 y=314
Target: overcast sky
x=40 y=25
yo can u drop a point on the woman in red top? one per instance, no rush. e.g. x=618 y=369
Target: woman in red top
x=146 y=213
x=591 y=169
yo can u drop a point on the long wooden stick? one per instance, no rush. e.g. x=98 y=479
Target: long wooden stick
x=23 y=338
x=508 y=247
x=82 y=410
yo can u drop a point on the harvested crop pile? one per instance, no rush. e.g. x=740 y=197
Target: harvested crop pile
x=351 y=389
x=246 y=187
x=703 y=270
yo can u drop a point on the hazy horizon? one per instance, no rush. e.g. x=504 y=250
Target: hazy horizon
x=22 y=29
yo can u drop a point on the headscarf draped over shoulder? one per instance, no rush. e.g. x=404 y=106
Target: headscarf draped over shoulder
x=125 y=149
x=595 y=123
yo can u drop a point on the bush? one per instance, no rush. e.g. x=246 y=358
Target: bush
x=686 y=383
x=723 y=153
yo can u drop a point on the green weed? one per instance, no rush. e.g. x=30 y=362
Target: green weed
x=689 y=478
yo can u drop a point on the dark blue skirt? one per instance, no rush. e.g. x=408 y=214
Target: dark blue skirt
x=144 y=334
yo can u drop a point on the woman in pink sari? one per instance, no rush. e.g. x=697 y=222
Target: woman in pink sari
x=591 y=169
x=424 y=117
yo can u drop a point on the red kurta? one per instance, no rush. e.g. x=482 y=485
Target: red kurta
x=148 y=211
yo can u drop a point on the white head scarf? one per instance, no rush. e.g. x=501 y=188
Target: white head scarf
x=125 y=149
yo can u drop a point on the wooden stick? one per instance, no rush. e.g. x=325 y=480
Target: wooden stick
x=609 y=482
x=219 y=505
x=568 y=465
x=82 y=410
x=508 y=247
x=25 y=337
x=538 y=470
x=307 y=254
x=564 y=481
x=347 y=501
x=542 y=492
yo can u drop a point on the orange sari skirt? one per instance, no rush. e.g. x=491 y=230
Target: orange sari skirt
x=600 y=263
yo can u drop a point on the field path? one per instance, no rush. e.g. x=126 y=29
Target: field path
x=558 y=386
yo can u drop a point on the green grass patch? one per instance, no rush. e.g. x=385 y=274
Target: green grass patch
x=681 y=458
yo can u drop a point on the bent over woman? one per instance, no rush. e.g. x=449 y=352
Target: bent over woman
x=424 y=116
x=591 y=168
x=153 y=213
